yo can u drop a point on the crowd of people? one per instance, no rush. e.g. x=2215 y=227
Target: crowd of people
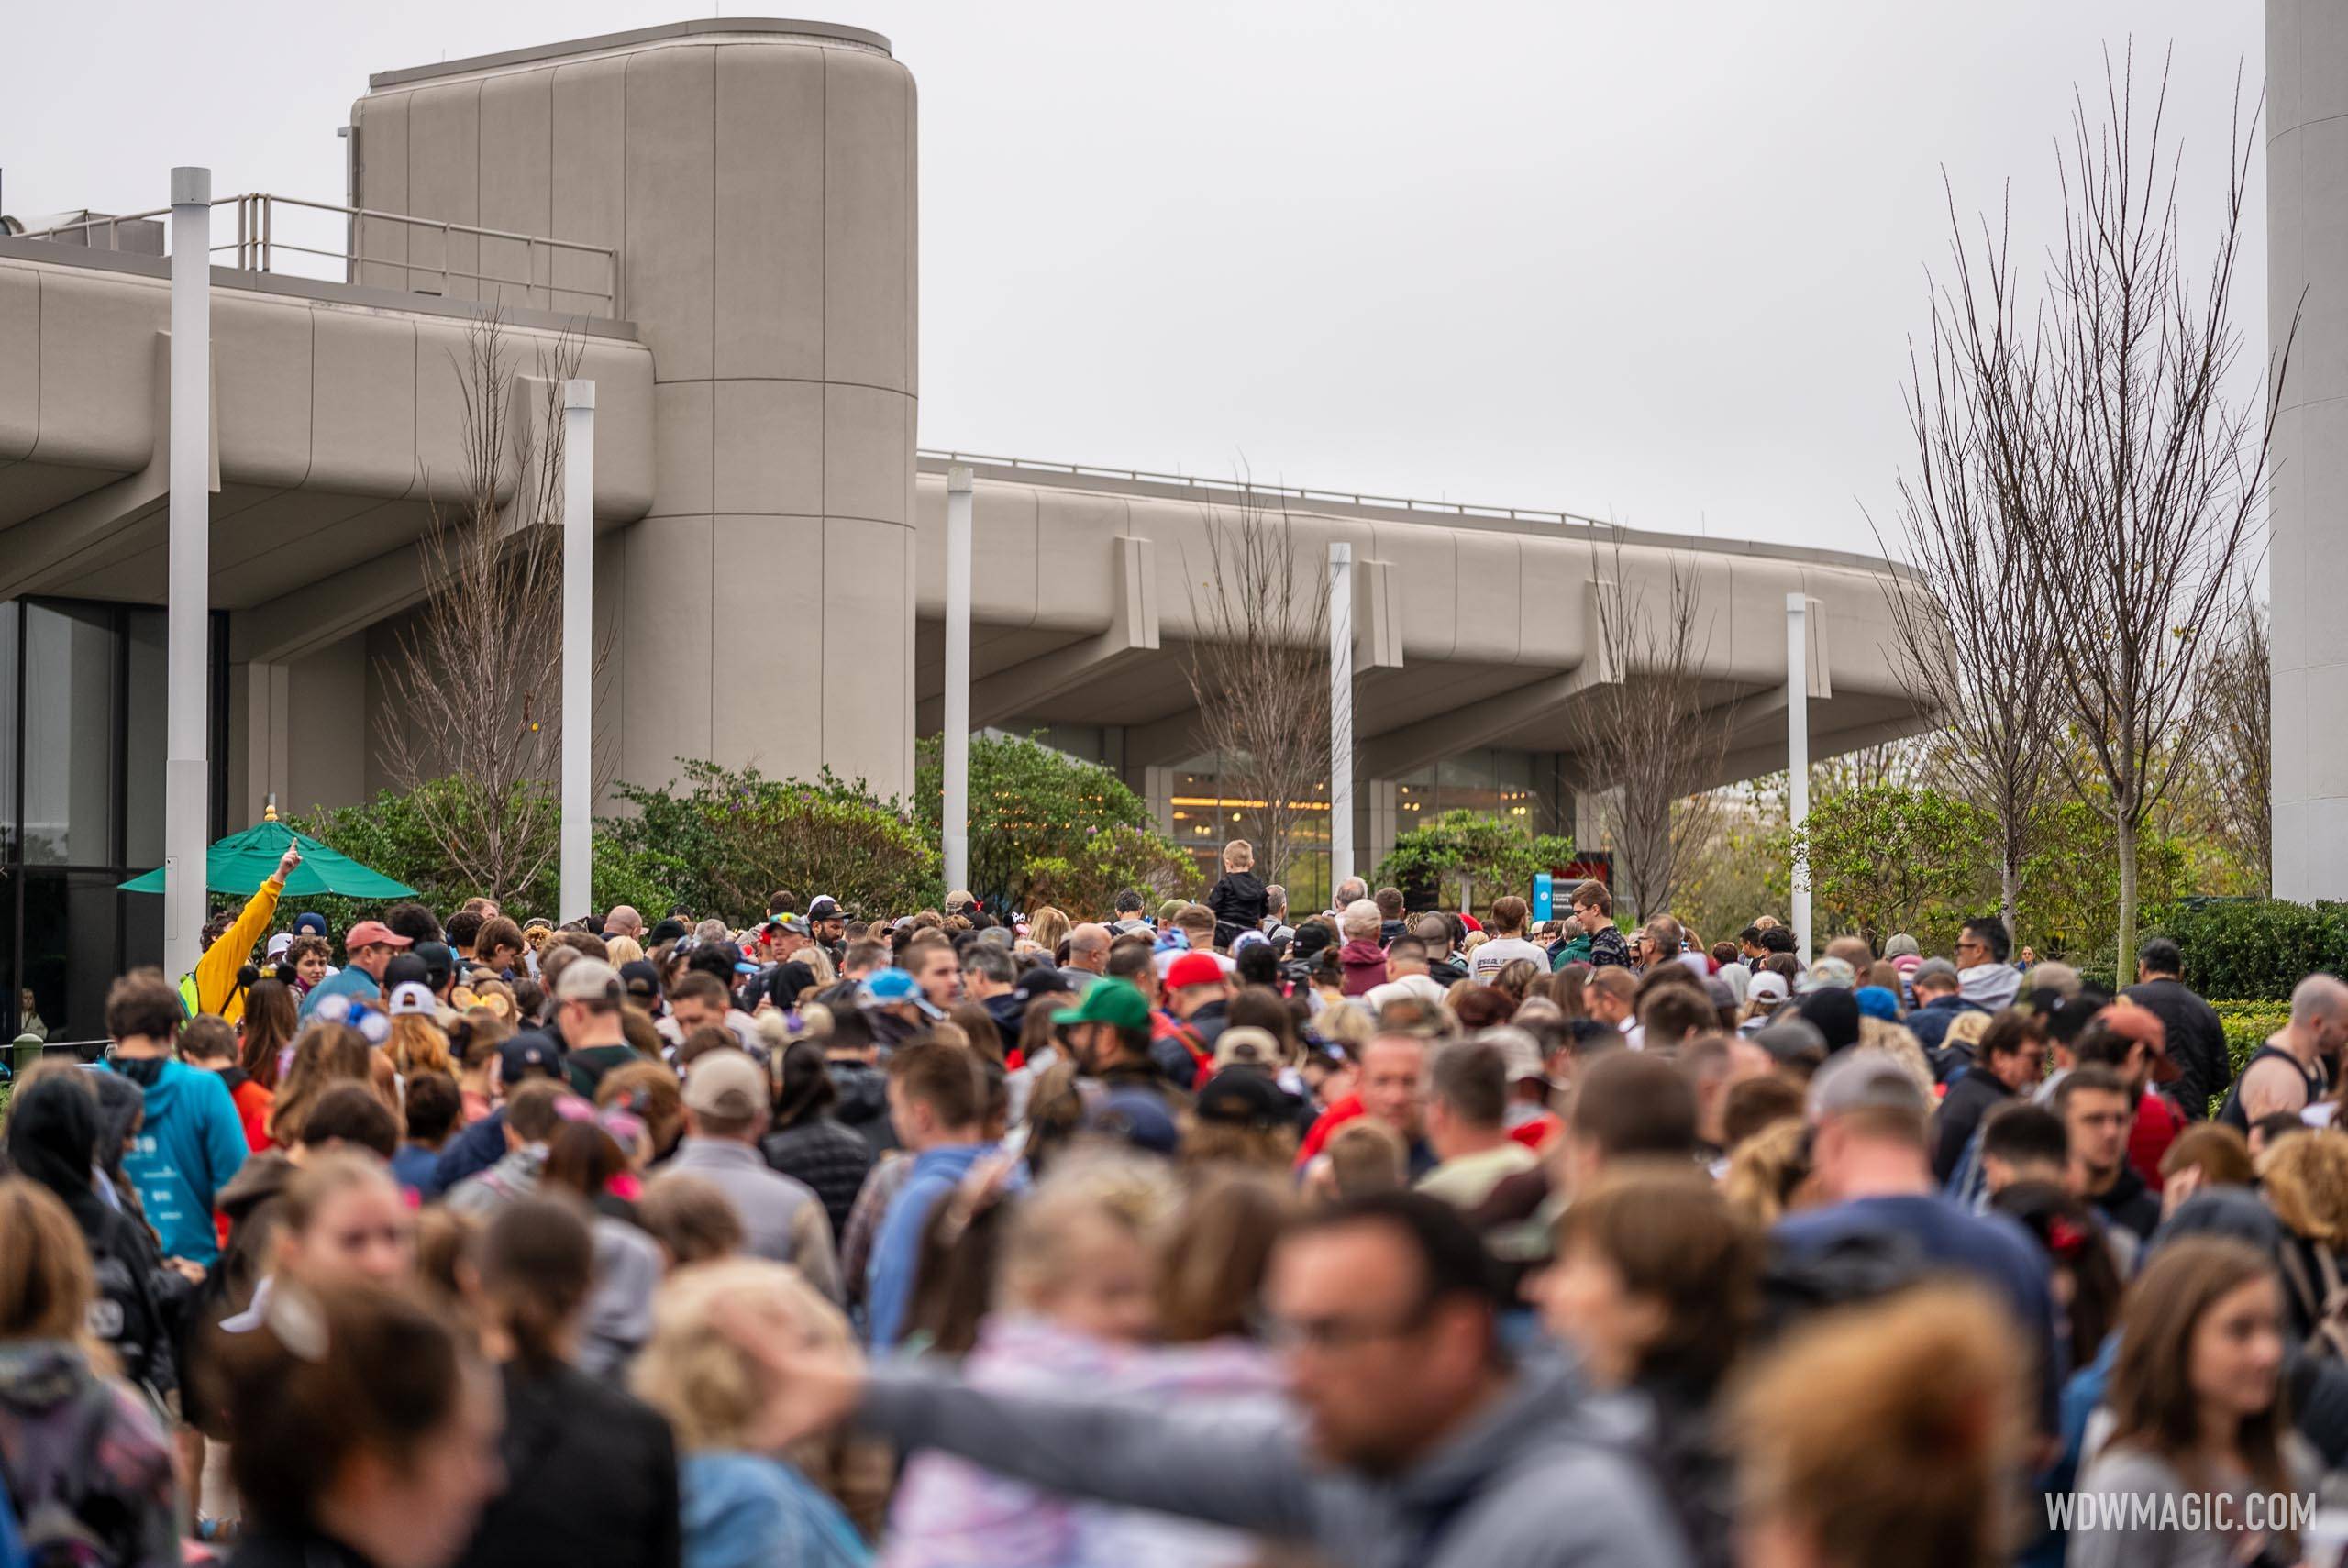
x=1196 y=1234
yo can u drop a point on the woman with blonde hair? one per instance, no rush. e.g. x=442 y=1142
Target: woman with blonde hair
x=1891 y=1433
x=619 y=949
x=325 y=1054
x=1046 y=928
x=1766 y=1172
x=418 y=1045
x=70 y=1436
x=741 y=1504
x=1077 y=1286
x=2304 y=1178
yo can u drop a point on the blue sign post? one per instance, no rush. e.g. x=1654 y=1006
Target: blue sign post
x=1543 y=888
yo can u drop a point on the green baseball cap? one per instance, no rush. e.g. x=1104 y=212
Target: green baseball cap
x=1115 y=1002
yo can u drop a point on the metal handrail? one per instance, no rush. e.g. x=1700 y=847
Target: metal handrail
x=1284 y=491
x=256 y=246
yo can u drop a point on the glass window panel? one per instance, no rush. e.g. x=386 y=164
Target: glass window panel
x=69 y=703
x=73 y=939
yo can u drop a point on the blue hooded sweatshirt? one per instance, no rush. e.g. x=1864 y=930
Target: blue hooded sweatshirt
x=190 y=1143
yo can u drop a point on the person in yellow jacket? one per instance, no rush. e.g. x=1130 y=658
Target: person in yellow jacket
x=213 y=986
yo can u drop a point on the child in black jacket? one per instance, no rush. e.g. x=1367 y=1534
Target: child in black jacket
x=1238 y=897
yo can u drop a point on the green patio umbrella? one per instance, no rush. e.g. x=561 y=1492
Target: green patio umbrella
x=239 y=864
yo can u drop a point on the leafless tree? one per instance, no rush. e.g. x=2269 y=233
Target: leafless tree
x=1643 y=738
x=1971 y=630
x=1259 y=672
x=472 y=726
x=2238 y=753
x=2143 y=476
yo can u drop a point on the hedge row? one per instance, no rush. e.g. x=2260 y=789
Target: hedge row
x=2248 y=1024
x=2253 y=949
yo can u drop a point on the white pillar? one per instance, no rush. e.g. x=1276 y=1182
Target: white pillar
x=956 y=739
x=187 y=768
x=1797 y=751
x=1341 y=714
x=577 y=648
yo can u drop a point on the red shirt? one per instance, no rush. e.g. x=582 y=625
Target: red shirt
x=2157 y=1124
x=1316 y=1137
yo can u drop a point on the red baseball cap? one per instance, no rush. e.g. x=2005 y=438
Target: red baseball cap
x=1193 y=969
x=373 y=933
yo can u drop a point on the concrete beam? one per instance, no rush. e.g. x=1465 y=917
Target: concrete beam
x=1131 y=638
x=1409 y=747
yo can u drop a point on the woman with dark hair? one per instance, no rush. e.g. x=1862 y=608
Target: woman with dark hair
x=591 y=1472
x=807 y=1143
x=366 y=1435
x=979 y=1024
x=2085 y=1277
x=73 y=1442
x=52 y=1139
x=263 y=1050
x=2194 y=1412
x=1655 y=1284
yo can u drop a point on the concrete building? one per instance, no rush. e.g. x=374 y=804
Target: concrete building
x=718 y=219
x=2306 y=274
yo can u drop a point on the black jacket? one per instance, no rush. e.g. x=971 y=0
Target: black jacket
x=1969 y=1099
x=863 y=1105
x=591 y=1476
x=2197 y=1042
x=1238 y=901
x=2130 y=1204
x=827 y=1154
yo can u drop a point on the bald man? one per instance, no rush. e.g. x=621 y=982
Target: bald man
x=1088 y=956
x=2291 y=1071
x=624 y=921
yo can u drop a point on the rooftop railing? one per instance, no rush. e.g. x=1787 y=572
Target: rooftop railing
x=1250 y=487
x=263 y=245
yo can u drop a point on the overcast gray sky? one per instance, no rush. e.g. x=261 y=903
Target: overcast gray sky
x=1652 y=262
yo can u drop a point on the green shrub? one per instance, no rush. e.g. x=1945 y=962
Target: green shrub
x=1046 y=828
x=1498 y=856
x=2248 y=1024
x=2254 y=949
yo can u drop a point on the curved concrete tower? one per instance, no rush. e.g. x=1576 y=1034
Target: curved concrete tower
x=758 y=179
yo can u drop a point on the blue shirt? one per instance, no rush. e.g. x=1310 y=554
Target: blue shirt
x=1991 y=1248
x=896 y=1247
x=353 y=981
x=189 y=1145
x=745 y=1510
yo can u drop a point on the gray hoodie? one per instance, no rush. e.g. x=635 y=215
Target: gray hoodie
x=1543 y=1479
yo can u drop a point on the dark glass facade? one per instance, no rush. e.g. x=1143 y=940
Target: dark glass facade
x=83 y=734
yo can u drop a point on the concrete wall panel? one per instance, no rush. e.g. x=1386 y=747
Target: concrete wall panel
x=767 y=593
x=589 y=103
x=684 y=417
x=1427 y=561
x=770 y=448
x=20 y=349
x=362 y=426
x=261 y=367
x=518 y=183
x=769 y=217
x=671 y=113
x=328 y=711
x=444 y=182
x=383 y=187
x=1490 y=607
x=867 y=449
x=669 y=684
x=99 y=356
x=868 y=196
x=868 y=652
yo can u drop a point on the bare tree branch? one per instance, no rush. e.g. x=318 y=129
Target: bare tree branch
x=1642 y=730
x=1259 y=672
x=474 y=692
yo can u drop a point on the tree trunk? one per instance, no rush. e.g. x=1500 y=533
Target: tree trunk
x=2008 y=895
x=2125 y=969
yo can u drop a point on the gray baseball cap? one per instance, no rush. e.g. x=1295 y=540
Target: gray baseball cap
x=1865 y=1080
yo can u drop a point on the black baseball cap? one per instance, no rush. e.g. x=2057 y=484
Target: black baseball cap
x=439 y=961
x=528 y=1056
x=642 y=979
x=1243 y=1096
x=825 y=909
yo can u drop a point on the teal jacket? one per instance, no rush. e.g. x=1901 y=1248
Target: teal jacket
x=190 y=1144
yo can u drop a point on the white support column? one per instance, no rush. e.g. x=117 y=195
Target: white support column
x=1797 y=751
x=956 y=735
x=1341 y=714
x=577 y=648
x=187 y=768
